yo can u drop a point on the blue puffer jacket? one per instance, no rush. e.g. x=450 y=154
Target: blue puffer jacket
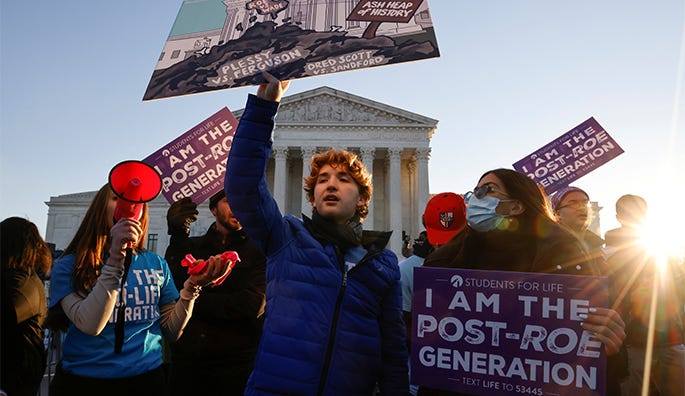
x=328 y=331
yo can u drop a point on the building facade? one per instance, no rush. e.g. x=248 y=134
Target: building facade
x=394 y=144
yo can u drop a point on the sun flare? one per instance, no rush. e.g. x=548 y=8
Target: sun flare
x=663 y=235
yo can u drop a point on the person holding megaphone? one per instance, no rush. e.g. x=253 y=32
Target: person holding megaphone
x=91 y=279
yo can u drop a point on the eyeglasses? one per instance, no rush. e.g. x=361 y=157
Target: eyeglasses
x=481 y=192
x=575 y=205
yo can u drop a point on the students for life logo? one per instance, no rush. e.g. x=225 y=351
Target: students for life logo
x=457 y=281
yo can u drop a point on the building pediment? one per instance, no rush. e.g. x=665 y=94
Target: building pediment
x=330 y=107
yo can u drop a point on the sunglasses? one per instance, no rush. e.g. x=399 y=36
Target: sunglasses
x=575 y=205
x=481 y=192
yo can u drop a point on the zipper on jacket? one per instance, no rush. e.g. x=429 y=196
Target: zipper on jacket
x=334 y=324
x=336 y=314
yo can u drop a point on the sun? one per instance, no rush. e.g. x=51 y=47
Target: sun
x=663 y=235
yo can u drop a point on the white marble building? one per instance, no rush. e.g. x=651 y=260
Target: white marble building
x=393 y=143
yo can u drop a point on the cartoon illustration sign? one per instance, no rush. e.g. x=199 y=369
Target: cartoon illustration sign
x=194 y=164
x=570 y=156
x=220 y=44
x=504 y=333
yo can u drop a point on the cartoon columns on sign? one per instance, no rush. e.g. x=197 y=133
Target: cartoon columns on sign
x=327 y=15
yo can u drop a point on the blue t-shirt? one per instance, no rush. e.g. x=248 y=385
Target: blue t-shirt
x=407 y=279
x=149 y=285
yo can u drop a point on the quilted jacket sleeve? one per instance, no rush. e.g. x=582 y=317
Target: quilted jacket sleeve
x=245 y=184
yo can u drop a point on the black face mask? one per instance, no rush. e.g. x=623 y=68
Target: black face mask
x=421 y=248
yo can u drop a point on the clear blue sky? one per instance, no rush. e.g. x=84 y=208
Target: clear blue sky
x=512 y=76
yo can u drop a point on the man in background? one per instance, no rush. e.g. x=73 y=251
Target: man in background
x=444 y=217
x=215 y=354
x=635 y=276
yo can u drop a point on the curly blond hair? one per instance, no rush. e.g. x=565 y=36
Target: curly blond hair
x=349 y=162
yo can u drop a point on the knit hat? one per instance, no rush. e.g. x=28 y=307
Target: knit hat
x=444 y=217
x=556 y=199
x=214 y=200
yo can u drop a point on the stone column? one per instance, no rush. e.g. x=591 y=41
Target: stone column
x=422 y=156
x=233 y=11
x=280 y=175
x=413 y=198
x=368 y=155
x=395 y=198
x=307 y=153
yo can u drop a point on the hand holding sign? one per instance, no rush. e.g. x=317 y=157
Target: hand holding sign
x=607 y=326
x=180 y=215
x=273 y=89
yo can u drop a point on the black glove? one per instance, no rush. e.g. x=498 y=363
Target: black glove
x=180 y=215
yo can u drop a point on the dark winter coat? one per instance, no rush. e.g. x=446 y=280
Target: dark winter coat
x=558 y=252
x=24 y=310
x=328 y=331
x=226 y=323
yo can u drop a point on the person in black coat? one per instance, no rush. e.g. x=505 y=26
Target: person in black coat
x=24 y=256
x=217 y=349
x=511 y=228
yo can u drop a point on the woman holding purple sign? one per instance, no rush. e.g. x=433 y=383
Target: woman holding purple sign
x=511 y=228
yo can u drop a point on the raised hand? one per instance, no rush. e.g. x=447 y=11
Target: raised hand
x=180 y=215
x=273 y=89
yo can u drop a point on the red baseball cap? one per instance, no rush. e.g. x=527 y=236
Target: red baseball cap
x=444 y=217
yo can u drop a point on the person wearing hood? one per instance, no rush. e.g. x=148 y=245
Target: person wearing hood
x=572 y=209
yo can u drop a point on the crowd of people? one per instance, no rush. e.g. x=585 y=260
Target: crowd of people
x=314 y=305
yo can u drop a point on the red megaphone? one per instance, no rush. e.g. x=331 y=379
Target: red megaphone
x=134 y=183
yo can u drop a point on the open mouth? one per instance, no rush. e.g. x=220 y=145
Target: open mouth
x=331 y=198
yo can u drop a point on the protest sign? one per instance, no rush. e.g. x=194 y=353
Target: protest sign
x=194 y=164
x=505 y=333
x=217 y=44
x=570 y=156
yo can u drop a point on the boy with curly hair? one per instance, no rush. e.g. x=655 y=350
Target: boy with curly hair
x=333 y=313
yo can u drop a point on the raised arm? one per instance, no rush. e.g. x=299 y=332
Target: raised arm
x=246 y=187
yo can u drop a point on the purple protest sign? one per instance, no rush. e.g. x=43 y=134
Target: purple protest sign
x=504 y=333
x=193 y=165
x=570 y=156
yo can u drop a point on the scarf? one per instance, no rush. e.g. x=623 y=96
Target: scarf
x=344 y=236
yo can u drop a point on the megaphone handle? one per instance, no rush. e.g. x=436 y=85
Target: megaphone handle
x=121 y=311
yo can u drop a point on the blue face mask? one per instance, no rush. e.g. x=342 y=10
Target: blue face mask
x=481 y=213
